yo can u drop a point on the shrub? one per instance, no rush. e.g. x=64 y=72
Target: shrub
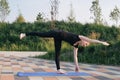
x=99 y=54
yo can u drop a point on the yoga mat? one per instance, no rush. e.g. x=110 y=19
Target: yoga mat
x=22 y=74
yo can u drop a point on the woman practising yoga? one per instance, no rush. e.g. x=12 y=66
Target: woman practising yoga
x=59 y=36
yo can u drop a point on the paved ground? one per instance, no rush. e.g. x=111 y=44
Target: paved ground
x=22 y=53
x=10 y=65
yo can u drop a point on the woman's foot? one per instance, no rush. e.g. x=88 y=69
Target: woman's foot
x=60 y=71
x=22 y=35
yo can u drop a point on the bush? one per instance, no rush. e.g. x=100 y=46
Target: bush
x=99 y=54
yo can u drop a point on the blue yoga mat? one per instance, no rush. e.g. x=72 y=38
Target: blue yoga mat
x=22 y=74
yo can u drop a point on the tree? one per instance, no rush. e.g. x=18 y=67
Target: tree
x=40 y=18
x=4 y=10
x=54 y=11
x=115 y=15
x=71 y=17
x=96 y=10
x=20 y=19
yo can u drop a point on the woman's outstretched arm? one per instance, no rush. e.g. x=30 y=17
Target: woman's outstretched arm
x=92 y=40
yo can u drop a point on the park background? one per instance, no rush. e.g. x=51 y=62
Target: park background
x=98 y=29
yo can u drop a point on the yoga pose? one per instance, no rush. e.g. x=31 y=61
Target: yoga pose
x=59 y=36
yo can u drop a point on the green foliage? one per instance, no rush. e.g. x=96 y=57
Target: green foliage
x=40 y=18
x=115 y=15
x=98 y=54
x=96 y=10
x=20 y=19
x=4 y=10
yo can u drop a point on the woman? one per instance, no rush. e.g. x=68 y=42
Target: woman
x=72 y=39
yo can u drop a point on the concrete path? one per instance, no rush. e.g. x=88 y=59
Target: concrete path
x=22 y=53
x=11 y=64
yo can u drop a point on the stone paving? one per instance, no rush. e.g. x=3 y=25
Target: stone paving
x=10 y=65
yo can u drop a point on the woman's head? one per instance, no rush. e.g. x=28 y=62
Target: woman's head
x=84 y=43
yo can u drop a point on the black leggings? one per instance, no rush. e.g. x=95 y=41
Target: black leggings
x=58 y=37
x=57 y=42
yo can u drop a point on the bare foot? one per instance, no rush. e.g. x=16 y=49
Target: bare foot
x=60 y=72
x=22 y=35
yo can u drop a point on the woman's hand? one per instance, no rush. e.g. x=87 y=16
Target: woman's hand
x=77 y=69
x=105 y=43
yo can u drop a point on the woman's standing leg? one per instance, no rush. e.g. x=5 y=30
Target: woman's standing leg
x=57 y=44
